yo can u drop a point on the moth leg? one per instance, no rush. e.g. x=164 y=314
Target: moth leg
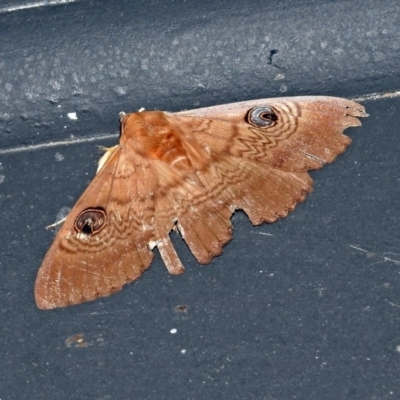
x=169 y=256
x=61 y=221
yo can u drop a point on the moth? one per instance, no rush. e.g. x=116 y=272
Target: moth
x=189 y=171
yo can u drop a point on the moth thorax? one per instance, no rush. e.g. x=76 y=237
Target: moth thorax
x=91 y=221
x=262 y=117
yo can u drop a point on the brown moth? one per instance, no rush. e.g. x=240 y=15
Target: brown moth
x=189 y=171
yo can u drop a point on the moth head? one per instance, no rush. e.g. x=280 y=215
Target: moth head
x=147 y=129
x=127 y=118
x=262 y=116
x=91 y=221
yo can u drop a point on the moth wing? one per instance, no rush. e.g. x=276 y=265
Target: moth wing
x=307 y=133
x=205 y=199
x=79 y=266
x=259 y=170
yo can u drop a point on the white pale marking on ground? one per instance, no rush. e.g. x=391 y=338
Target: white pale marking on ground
x=72 y=116
x=173 y=331
x=67 y=142
x=35 y=5
x=262 y=233
x=58 y=156
x=2 y=177
x=183 y=351
x=383 y=256
x=376 y=96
